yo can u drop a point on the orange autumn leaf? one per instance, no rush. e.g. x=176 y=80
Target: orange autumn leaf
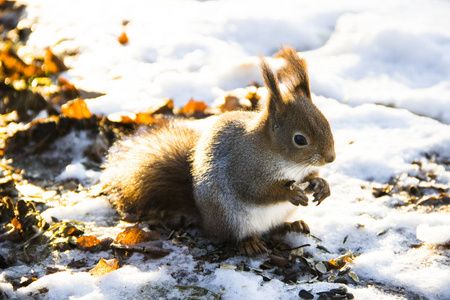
x=52 y=63
x=193 y=107
x=161 y=106
x=333 y=263
x=76 y=109
x=104 y=266
x=347 y=259
x=85 y=242
x=13 y=66
x=132 y=118
x=123 y=39
x=231 y=103
x=67 y=86
x=145 y=119
x=135 y=235
x=16 y=223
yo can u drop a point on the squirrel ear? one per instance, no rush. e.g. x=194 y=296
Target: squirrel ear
x=295 y=73
x=275 y=103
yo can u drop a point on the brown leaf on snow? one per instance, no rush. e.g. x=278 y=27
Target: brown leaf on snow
x=194 y=109
x=231 y=103
x=135 y=235
x=52 y=63
x=132 y=118
x=67 y=87
x=161 y=106
x=86 y=242
x=104 y=266
x=76 y=109
x=145 y=119
x=16 y=223
x=13 y=67
x=123 y=38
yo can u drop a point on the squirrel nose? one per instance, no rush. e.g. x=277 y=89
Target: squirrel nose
x=330 y=157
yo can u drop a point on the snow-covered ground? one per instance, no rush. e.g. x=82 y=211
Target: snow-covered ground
x=360 y=54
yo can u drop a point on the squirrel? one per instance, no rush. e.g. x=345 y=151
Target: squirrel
x=240 y=177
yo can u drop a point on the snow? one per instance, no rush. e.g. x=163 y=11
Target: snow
x=360 y=54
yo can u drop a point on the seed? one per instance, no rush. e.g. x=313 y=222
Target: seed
x=304 y=294
x=341 y=280
x=353 y=276
x=321 y=267
x=340 y=291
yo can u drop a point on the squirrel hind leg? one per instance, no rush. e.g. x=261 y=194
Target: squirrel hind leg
x=252 y=246
x=298 y=226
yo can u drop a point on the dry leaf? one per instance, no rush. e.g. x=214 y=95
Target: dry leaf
x=52 y=63
x=254 y=98
x=104 y=266
x=76 y=109
x=135 y=235
x=86 y=242
x=67 y=86
x=231 y=103
x=144 y=119
x=16 y=223
x=132 y=118
x=123 y=39
x=194 y=108
x=161 y=106
x=13 y=67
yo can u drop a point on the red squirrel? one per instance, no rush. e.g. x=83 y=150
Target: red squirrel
x=239 y=177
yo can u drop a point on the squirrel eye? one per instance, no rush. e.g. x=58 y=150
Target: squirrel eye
x=300 y=140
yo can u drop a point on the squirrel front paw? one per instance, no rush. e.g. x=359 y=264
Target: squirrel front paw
x=252 y=246
x=320 y=188
x=297 y=195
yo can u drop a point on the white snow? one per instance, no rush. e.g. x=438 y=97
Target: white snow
x=360 y=54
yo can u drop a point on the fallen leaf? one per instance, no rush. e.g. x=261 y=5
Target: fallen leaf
x=104 y=266
x=66 y=86
x=144 y=119
x=76 y=109
x=231 y=103
x=13 y=67
x=254 y=98
x=131 y=118
x=161 y=106
x=16 y=224
x=86 y=242
x=135 y=235
x=123 y=39
x=52 y=63
x=194 y=108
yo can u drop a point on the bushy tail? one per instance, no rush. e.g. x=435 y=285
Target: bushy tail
x=295 y=73
x=150 y=173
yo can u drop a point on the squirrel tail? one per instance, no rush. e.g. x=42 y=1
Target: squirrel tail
x=149 y=173
x=295 y=73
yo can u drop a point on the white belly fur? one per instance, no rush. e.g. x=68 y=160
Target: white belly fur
x=260 y=219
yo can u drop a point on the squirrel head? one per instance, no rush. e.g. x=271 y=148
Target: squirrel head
x=296 y=128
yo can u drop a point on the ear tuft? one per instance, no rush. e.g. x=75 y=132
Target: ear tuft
x=275 y=101
x=295 y=73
